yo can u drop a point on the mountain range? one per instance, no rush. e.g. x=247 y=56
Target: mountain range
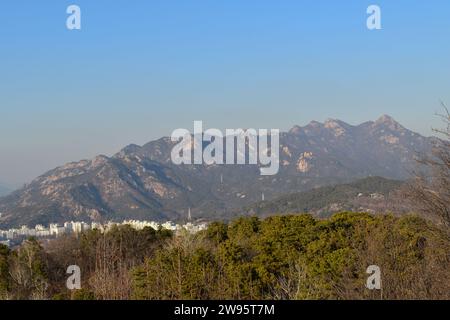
x=141 y=182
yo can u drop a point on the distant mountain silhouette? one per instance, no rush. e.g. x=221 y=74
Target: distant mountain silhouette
x=142 y=182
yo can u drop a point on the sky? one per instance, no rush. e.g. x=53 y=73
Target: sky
x=137 y=70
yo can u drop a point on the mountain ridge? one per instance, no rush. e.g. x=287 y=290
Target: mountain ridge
x=371 y=194
x=141 y=182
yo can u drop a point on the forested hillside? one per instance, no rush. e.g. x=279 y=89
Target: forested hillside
x=281 y=257
x=372 y=194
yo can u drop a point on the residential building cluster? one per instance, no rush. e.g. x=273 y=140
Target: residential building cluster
x=55 y=230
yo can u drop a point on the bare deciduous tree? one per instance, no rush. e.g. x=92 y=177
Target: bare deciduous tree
x=430 y=191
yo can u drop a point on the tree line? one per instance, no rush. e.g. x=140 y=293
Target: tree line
x=281 y=257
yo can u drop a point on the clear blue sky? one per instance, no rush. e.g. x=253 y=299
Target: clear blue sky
x=139 y=69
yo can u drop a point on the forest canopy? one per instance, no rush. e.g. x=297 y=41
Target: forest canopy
x=280 y=257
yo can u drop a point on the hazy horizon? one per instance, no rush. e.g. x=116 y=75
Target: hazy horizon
x=135 y=72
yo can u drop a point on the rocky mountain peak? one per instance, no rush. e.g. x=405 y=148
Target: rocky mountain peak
x=338 y=127
x=315 y=124
x=389 y=122
x=295 y=129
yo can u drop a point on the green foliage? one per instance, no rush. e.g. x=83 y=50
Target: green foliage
x=4 y=270
x=319 y=198
x=83 y=294
x=281 y=257
x=299 y=257
x=28 y=270
x=217 y=232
